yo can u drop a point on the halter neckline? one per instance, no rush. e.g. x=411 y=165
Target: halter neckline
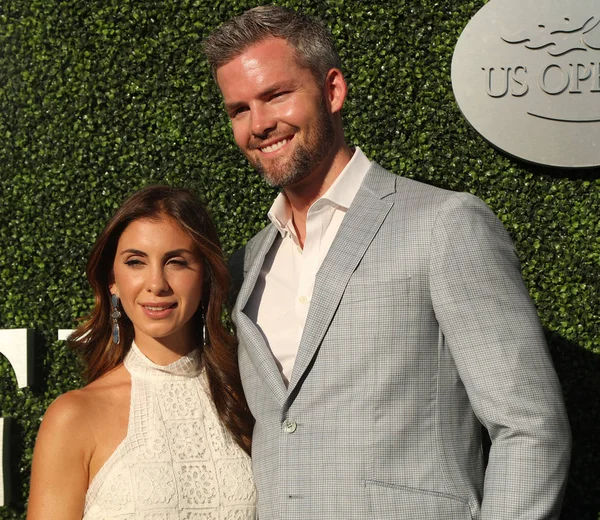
x=137 y=363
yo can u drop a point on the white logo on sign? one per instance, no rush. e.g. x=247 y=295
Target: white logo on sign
x=17 y=346
x=526 y=75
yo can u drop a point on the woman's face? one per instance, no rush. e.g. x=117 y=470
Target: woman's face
x=158 y=275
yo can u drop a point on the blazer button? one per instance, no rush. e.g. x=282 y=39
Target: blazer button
x=289 y=426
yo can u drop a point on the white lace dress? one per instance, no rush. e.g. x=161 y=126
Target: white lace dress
x=177 y=461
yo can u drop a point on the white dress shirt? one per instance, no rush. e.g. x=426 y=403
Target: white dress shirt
x=281 y=297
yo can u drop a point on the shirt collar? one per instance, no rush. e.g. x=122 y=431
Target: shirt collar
x=341 y=193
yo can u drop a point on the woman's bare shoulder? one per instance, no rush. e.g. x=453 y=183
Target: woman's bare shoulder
x=63 y=450
x=73 y=411
x=67 y=413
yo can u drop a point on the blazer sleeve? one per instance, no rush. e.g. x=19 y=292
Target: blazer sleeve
x=495 y=338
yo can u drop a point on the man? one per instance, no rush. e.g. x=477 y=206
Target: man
x=380 y=320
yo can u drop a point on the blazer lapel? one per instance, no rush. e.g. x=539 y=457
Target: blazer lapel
x=254 y=343
x=360 y=225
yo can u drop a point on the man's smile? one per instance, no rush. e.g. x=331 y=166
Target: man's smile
x=275 y=146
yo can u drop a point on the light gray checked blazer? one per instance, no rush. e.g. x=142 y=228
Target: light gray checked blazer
x=420 y=328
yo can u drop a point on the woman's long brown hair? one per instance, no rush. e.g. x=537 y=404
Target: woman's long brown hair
x=93 y=339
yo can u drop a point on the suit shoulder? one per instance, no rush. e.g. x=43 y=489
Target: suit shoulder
x=238 y=259
x=405 y=187
x=429 y=195
x=260 y=234
x=256 y=240
x=421 y=189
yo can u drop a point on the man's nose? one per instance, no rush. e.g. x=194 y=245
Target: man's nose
x=263 y=121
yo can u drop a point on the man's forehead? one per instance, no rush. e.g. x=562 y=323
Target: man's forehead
x=268 y=48
x=263 y=64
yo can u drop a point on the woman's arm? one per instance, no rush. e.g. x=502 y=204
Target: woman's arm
x=60 y=471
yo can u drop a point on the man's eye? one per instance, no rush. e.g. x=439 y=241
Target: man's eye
x=237 y=112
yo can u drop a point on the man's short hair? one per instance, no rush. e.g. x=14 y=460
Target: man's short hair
x=311 y=40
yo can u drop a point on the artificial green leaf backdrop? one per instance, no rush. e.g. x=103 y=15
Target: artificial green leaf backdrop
x=101 y=97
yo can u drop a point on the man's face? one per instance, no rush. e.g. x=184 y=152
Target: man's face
x=278 y=112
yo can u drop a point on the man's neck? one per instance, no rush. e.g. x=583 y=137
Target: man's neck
x=301 y=196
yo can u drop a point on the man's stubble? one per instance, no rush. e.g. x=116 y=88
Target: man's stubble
x=307 y=156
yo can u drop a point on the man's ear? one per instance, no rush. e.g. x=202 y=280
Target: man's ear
x=335 y=90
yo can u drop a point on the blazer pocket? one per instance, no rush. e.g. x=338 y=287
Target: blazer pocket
x=364 y=290
x=390 y=501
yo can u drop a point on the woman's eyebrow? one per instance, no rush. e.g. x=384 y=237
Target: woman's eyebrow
x=179 y=252
x=133 y=251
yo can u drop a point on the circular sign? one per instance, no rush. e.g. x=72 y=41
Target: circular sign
x=526 y=75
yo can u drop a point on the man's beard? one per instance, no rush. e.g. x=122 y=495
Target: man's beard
x=307 y=156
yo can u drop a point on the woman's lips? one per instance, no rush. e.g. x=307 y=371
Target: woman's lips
x=158 y=310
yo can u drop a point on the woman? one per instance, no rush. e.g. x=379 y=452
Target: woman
x=144 y=439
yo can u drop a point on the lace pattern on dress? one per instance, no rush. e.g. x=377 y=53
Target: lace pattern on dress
x=177 y=462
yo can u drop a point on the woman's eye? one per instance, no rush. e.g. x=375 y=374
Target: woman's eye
x=178 y=263
x=134 y=263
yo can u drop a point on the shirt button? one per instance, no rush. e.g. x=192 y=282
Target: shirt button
x=289 y=426
x=303 y=299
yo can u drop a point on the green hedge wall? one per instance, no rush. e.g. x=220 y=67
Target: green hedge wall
x=102 y=97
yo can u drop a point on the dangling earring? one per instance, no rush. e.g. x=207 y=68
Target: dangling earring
x=115 y=315
x=204 y=329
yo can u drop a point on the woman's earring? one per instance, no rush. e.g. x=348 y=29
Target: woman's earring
x=115 y=315
x=204 y=329
x=204 y=334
